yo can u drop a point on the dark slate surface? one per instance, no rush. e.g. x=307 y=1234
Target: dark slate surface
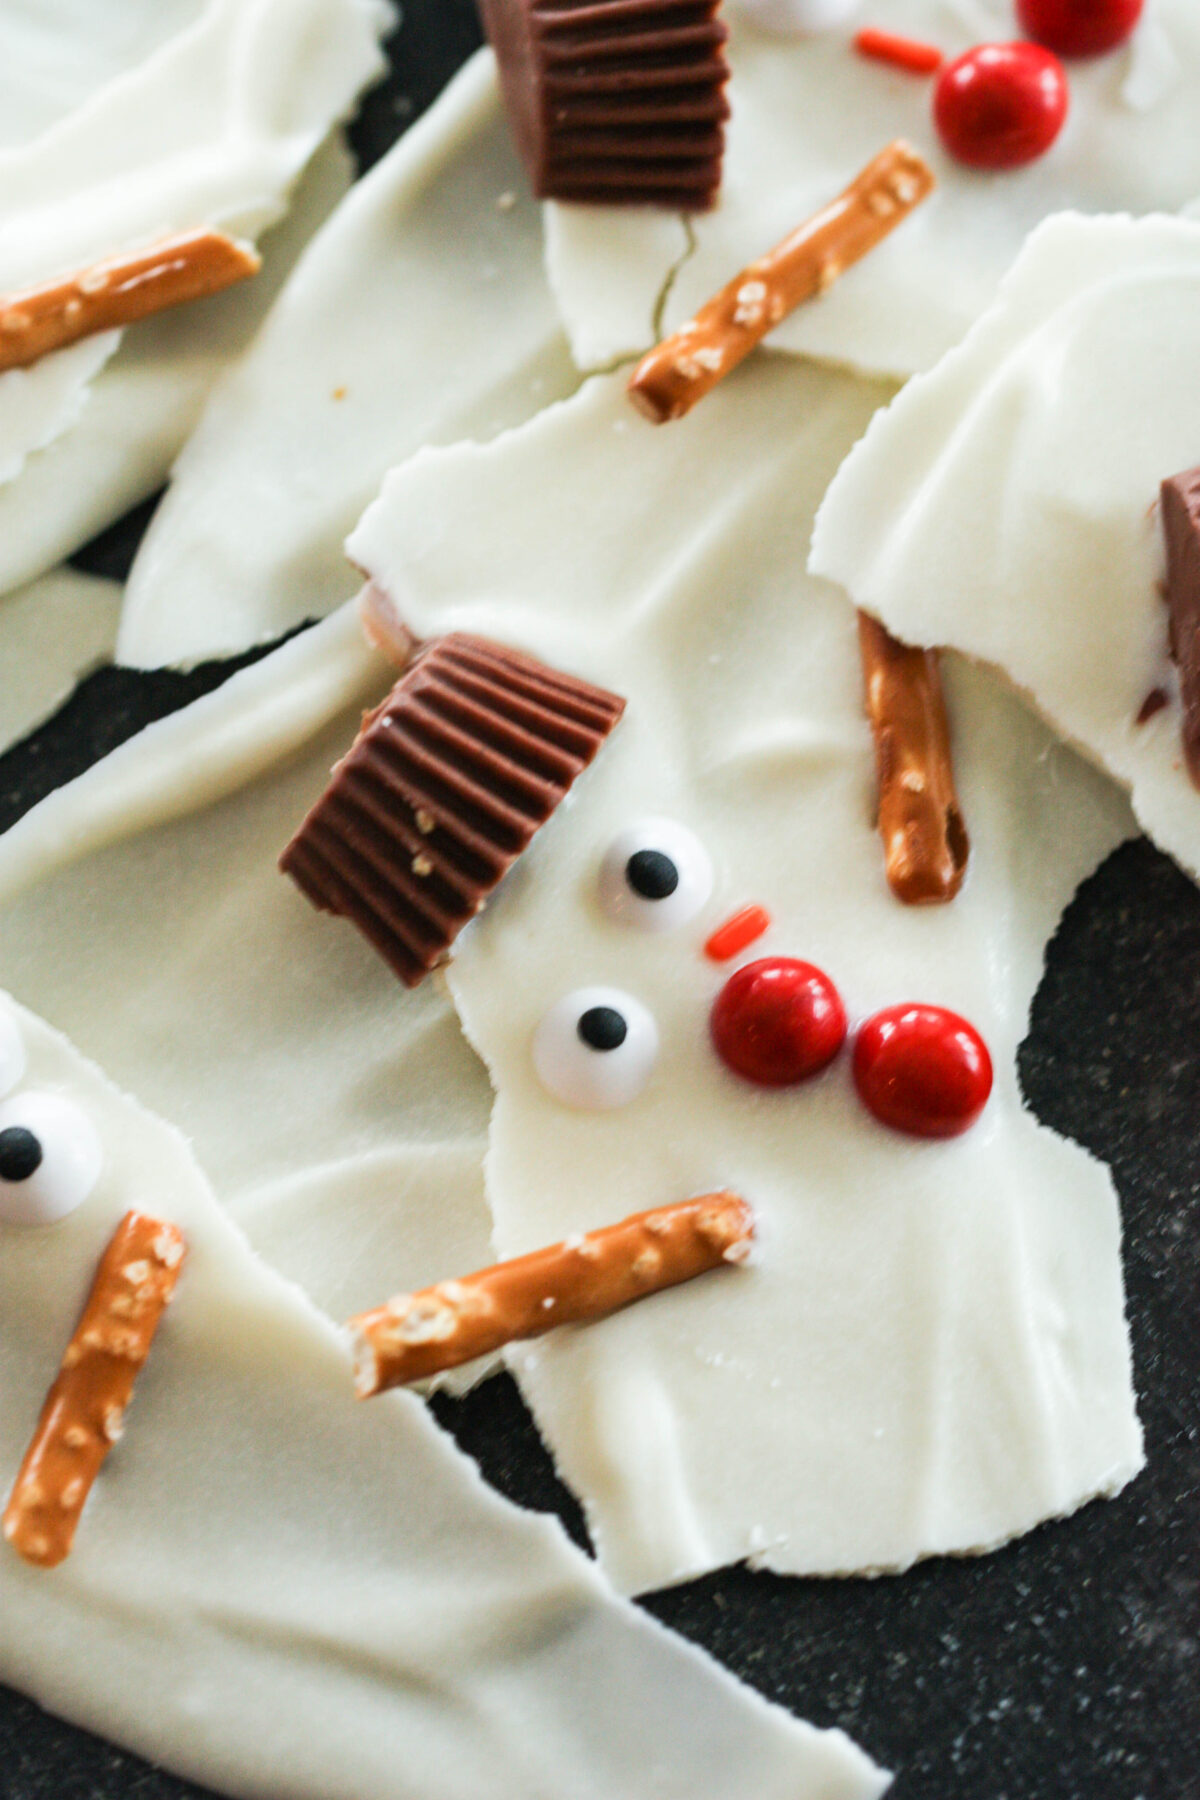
x=1066 y=1667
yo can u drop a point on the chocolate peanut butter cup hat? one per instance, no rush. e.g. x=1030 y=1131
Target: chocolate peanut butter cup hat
x=448 y=781
x=617 y=101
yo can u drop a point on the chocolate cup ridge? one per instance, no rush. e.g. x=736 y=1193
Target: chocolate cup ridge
x=444 y=788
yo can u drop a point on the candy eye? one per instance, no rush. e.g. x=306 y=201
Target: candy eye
x=50 y=1159
x=655 y=875
x=595 y=1048
x=12 y=1053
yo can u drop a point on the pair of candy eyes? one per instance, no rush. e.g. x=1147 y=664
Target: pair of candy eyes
x=777 y=1022
x=50 y=1154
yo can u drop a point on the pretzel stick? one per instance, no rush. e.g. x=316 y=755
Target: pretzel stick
x=119 y=292
x=383 y=627
x=587 y=1277
x=925 y=842
x=84 y=1410
x=668 y=382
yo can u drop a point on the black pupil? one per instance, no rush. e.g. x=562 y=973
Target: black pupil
x=652 y=874
x=20 y=1153
x=602 y=1028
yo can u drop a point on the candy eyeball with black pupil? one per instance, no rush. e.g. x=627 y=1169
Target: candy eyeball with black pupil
x=50 y=1159
x=656 y=875
x=12 y=1052
x=595 y=1048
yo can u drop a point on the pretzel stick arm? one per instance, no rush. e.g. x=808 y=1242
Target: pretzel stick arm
x=924 y=838
x=676 y=374
x=119 y=292
x=587 y=1277
x=84 y=1410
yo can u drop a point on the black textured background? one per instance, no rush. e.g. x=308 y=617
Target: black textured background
x=1066 y=1667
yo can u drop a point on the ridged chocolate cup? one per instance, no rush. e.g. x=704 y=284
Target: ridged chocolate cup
x=443 y=789
x=615 y=101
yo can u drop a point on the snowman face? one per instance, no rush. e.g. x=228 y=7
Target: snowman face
x=871 y=1388
x=808 y=112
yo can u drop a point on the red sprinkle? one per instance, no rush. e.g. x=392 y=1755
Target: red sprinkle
x=778 y=1021
x=1154 y=702
x=922 y=1070
x=740 y=929
x=901 y=52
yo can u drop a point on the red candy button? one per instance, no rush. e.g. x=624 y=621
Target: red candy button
x=777 y=1021
x=922 y=1070
x=1000 y=105
x=1079 y=27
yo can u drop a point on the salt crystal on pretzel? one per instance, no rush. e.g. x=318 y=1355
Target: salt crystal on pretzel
x=119 y=292
x=84 y=1411
x=925 y=841
x=586 y=1277
x=669 y=380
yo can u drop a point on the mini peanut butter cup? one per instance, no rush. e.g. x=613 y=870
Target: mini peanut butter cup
x=616 y=101
x=443 y=789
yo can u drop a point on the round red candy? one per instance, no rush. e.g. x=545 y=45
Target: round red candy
x=1079 y=27
x=1000 y=105
x=778 y=1021
x=922 y=1070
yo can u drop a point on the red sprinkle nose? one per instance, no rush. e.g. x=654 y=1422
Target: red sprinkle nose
x=1000 y=105
x=739 y=930
x=778 y=1021
x=922 y=1070
x=901 y=52
x=1079 y=27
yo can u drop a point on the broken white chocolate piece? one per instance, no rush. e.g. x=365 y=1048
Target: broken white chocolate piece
x=1007 y=502
x=394 y=317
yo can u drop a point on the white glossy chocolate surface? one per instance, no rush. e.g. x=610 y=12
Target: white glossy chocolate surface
x=212 y=126
x=1007 y=502
x=211 y=129
x=54 y=54
x=124 y=429
x=419 y=315
x=341 y=1120
x=277 y=1590
x=927 y=1352
x=808 y=112
x=51 y=633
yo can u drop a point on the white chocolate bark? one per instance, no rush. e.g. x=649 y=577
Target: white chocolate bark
x=57 y=53
x=39 y=404
x=275 y=1590
x=51 y=633
x=327 y=1106
x=808 y=112
x=212 y=127
x=123 y=430
x=928 y=1352
x=1006 y=503
x=420 y=314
